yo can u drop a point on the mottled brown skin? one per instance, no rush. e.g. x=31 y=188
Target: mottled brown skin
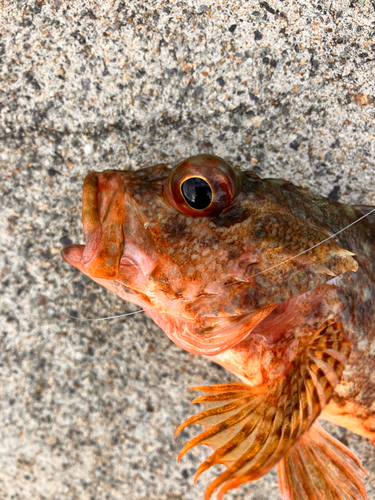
x=230 y=282
x=352 y=405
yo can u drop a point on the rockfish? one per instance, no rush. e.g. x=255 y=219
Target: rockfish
x=259 y=276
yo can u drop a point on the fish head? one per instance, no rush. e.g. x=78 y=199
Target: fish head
x=209 y=251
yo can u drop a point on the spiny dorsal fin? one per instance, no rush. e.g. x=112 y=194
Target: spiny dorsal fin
x=319 y=466
x=252 y=428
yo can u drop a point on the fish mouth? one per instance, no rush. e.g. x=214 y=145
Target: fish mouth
x=120 y=254
x=103 y=211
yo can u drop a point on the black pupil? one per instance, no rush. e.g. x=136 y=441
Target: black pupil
x=197 y=193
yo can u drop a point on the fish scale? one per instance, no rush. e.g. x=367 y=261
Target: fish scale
x=272 y=282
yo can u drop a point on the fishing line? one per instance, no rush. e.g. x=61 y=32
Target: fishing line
x=314 y=246
x=108 y=317
x=98 y=319
x=102 y=319
x=257 y=274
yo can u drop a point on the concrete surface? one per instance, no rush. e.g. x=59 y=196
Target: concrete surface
x=88 y=409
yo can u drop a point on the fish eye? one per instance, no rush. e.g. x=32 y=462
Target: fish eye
x=202 y=186
x=197 y=193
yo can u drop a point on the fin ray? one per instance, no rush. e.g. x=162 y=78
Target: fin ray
x=200 y=418
x=251 y=428
x=319 y=466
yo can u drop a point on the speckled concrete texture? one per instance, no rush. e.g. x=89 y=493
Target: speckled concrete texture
x=285 y=87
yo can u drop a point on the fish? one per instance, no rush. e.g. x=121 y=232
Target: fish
x=274 y=283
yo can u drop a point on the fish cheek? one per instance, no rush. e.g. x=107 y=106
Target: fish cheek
x=166 y=277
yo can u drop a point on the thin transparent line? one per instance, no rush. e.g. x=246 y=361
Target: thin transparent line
x=311 y=248
x=108 y=317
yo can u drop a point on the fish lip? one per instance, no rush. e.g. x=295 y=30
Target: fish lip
x=72 y=255
x=103 y=213
x=110 y=219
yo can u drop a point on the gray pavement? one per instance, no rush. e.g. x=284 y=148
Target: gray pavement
x=88 y=409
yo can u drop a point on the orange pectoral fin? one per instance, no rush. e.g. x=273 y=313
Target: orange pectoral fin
x=320 y=467
x=252 y=428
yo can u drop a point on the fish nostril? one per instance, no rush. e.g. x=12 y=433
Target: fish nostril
x=250 y=268
x=126 y=261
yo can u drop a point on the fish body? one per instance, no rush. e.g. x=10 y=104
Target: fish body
x=245 y=272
